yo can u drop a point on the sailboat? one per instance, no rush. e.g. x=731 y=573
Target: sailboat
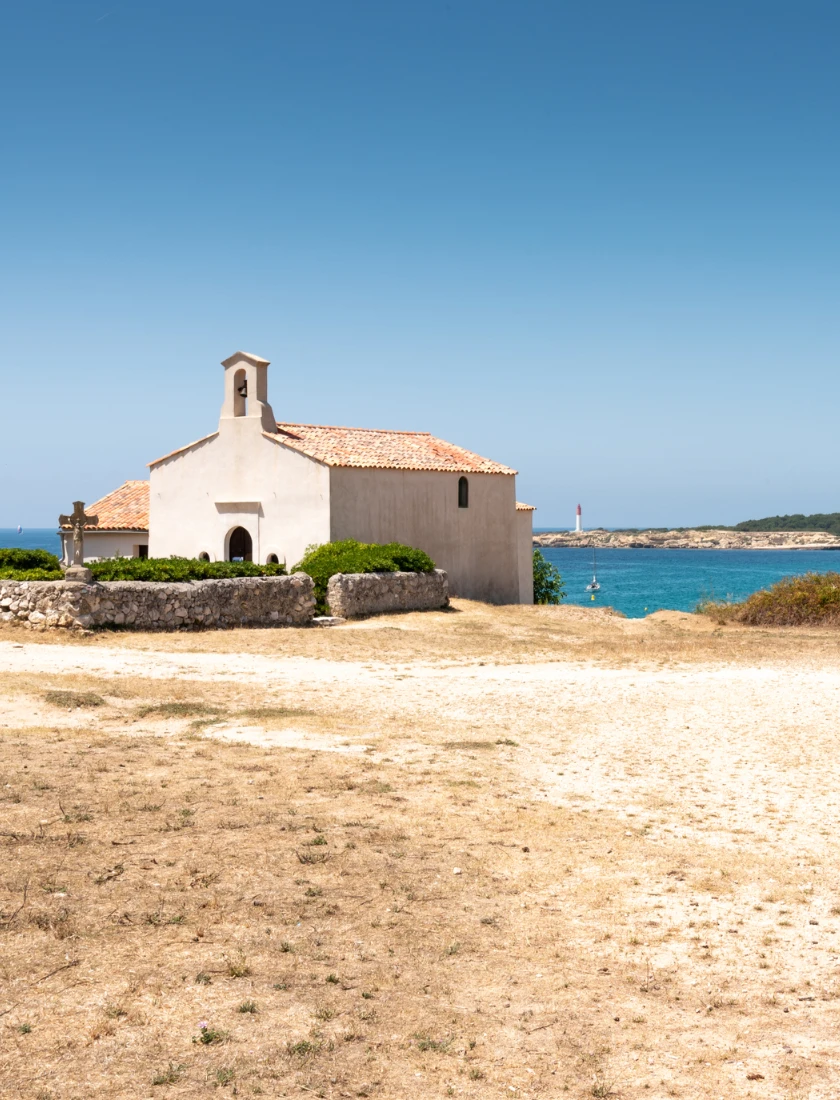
x=20 y=530
x=593 y=585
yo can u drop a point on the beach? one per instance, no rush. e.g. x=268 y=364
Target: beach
x=530 y=851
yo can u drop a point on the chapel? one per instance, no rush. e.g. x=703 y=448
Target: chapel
x=256 y=489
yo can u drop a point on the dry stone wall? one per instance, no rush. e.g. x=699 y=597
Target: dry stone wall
x=144 y=605
x=353 y=594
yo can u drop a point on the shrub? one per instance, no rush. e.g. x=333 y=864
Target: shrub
x=548 y=584
x=17 y=564
x=812 y=599
x=178 y=569
x=350 y=556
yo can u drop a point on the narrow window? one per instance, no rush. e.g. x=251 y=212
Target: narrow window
x=204 y=556
x=143 y=551
x=463 y=493
x=272 y=559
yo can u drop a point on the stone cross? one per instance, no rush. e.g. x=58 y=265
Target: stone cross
x=77 y=520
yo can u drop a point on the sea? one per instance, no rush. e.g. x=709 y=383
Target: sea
x=639 y=582
x=635 y=582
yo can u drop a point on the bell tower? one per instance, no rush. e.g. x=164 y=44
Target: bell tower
x=246 y=391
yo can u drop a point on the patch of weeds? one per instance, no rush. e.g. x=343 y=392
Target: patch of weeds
x=110 y=874
x=170 y=1076
x=318 y=842
x=225 y=1076
x=368 y=996
x=159 y=918
x=208 y=1036
x=331 y=979
x=453 y=948
x=114 y=1012
x=476 y=1074
x=277 y=712
x=238 y=968
x=324 y=1013
x=248 y=1006
x=507 y=741
x=176 y=710
x=302 y=1048
x=467 y=745
x=312 y=857
x=489 y=920
x=25 y=1029
x=425 y=1042
x=203 y=978
x=70 y=700
x=602 y=1088
x=314 y=892
x=287 y=948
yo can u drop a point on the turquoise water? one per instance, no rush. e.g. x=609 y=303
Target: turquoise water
x=36 y=538
x=638 y=582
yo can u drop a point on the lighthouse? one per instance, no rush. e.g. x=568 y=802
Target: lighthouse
x=578 y=527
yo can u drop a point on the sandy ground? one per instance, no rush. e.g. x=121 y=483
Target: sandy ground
x=673 y=785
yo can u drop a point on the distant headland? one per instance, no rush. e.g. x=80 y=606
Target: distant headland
x=797 y=532
x=700 y=538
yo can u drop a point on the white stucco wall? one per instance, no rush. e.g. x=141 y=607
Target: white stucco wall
x=239 y=477
x=477 y=546
x=105 y=544
x=525 y=554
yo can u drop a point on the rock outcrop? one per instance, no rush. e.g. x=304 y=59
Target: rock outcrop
x=689 y=539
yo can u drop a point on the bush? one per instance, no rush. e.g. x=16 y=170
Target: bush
x=349 y=556
x=812 y=599
x=28 y=565
x=548 y=584
x=178 y=569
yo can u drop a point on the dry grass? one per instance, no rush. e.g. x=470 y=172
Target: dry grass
x=181 y=914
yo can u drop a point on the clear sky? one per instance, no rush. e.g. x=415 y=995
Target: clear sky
x=598 y=242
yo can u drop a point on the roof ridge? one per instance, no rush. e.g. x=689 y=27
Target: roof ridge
x=348 y=428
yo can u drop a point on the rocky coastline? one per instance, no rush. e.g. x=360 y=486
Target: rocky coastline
x=691 y=540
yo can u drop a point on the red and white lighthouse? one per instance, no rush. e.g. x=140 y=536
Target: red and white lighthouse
x=577 y=520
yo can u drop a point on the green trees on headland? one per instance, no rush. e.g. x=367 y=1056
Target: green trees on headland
x=820 y=521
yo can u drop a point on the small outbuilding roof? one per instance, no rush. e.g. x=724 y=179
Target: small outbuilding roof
x=126 y=509
x=520 y=507
x=373 y=448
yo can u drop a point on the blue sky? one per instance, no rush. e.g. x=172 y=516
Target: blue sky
x=597 y=242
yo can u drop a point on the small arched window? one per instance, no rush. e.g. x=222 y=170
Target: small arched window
x=463 y=493
x=272 y=559
x=204 y=556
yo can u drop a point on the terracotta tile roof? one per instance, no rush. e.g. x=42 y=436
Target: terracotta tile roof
x=386 y=450
x=126 y=509
x=520 y=507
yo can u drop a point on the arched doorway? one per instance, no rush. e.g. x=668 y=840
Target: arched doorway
x=240 y=547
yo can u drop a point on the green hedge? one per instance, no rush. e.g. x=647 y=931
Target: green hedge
x=349 y=556
x=178 y=569
x=38 y=565
x=28 y=565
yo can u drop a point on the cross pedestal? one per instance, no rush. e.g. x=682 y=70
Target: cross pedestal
x=77 y=519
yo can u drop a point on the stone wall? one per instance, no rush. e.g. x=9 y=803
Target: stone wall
x=145 y=605
x=352 y=594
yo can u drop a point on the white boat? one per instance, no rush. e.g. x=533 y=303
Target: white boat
x=593 y=585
